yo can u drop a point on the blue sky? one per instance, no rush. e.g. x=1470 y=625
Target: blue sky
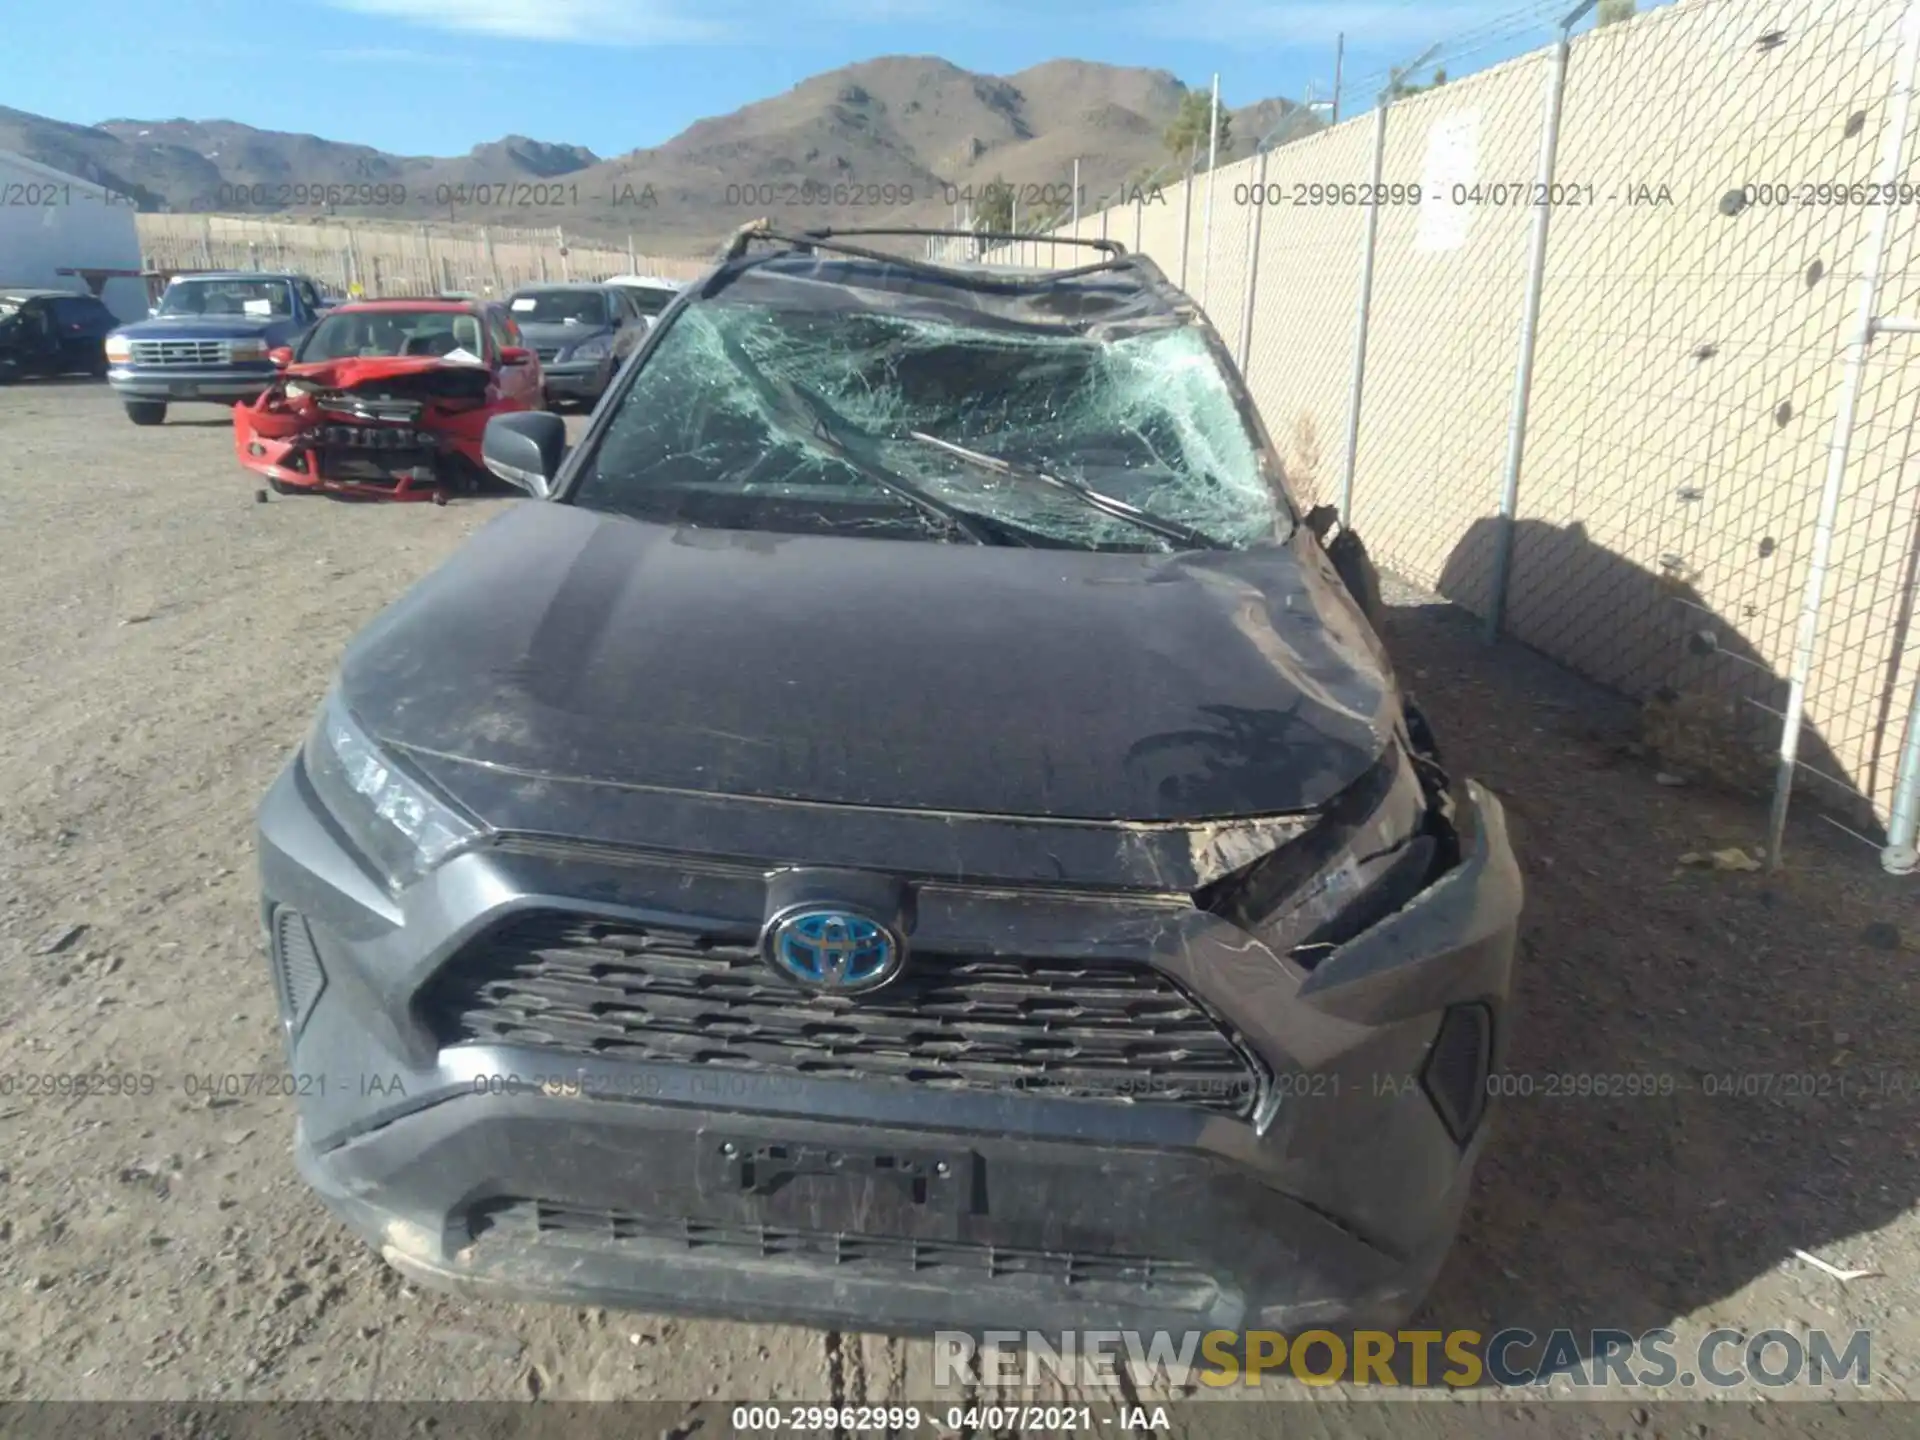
x=434 y=77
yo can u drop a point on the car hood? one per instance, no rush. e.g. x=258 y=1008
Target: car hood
x=365 y=370
x=561 y=644
x=543 y=337
x=202 y=327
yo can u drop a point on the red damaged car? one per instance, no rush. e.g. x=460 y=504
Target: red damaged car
x=389 y=398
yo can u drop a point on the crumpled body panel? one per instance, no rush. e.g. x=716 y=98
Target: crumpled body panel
x=397 y=427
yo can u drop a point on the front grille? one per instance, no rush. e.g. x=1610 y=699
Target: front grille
x=1071 y=1028
x=370 y=437
x=548 y=1222
x=296 y=964
x=179 y=352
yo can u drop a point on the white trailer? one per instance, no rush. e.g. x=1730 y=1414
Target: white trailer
x=54 y=226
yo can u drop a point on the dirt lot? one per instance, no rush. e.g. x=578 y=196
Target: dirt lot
x=163 y=640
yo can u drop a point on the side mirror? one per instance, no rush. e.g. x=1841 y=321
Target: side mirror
x=525 y=448
x=281 y=356
x=515 y=355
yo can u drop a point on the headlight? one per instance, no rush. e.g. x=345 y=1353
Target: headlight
x=248 y=349
x=592 y=349
x=401 y=825
x=119 y=348
x=1373 y=850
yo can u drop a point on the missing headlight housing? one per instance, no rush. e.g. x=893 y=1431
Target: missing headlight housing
x=1377 y=845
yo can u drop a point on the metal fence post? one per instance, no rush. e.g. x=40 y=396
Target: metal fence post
x=1873 y=263
x=1253 y=264
x=493 y=265
x=1530 y=326
x=1902 y=855
x=1186 y=217
x=1358 y=384
x=566 y=265
x=1213 y=169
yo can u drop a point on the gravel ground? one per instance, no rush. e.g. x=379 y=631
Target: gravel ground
x=163 y=639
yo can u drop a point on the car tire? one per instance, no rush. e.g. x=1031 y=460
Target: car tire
x=281 y=487
x=147 y=412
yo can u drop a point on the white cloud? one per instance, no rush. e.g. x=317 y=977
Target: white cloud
x=606 y=22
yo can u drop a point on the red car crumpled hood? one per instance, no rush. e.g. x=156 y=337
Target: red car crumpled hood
x=344 y=374
x=423 y=393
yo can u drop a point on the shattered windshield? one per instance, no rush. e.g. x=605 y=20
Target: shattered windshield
x=859 y=420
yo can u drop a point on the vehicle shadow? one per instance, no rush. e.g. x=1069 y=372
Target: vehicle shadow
x=1767 y=1023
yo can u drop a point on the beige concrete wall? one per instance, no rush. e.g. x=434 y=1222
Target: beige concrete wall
x=1689 y=362
x=394 y=258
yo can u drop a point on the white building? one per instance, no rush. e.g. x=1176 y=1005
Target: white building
x=50 y=221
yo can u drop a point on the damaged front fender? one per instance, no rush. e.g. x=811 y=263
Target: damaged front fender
x=1452 y=942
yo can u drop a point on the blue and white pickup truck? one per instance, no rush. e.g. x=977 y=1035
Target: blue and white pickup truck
x=208 y=340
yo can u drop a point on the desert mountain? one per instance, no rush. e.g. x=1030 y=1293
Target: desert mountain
x=896 y=140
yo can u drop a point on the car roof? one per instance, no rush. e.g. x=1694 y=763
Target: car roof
x=241 y=275
x=562 y=285
x=1118 y=295
x=647 y=282
x=407 y=302
x=35 y=292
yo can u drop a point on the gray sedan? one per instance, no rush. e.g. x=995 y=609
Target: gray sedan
x=582 y=334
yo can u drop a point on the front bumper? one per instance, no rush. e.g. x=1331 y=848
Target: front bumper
x=576 y=380
x=628 y=1184
x=185 y=386
x=297 y=461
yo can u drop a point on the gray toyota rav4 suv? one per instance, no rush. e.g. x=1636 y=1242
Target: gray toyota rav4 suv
x=909 y=827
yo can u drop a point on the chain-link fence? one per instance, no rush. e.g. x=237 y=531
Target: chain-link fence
x=388 y=258
x=1609 y=344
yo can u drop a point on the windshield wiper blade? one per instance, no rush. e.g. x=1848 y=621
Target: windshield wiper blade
x=796 y=401
x=1185 y=535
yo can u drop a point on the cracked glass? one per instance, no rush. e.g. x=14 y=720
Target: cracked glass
x=851 y=419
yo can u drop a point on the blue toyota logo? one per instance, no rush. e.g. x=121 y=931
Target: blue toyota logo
x=834 y=951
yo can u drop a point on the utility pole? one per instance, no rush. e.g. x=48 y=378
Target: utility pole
x=1339 y=54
